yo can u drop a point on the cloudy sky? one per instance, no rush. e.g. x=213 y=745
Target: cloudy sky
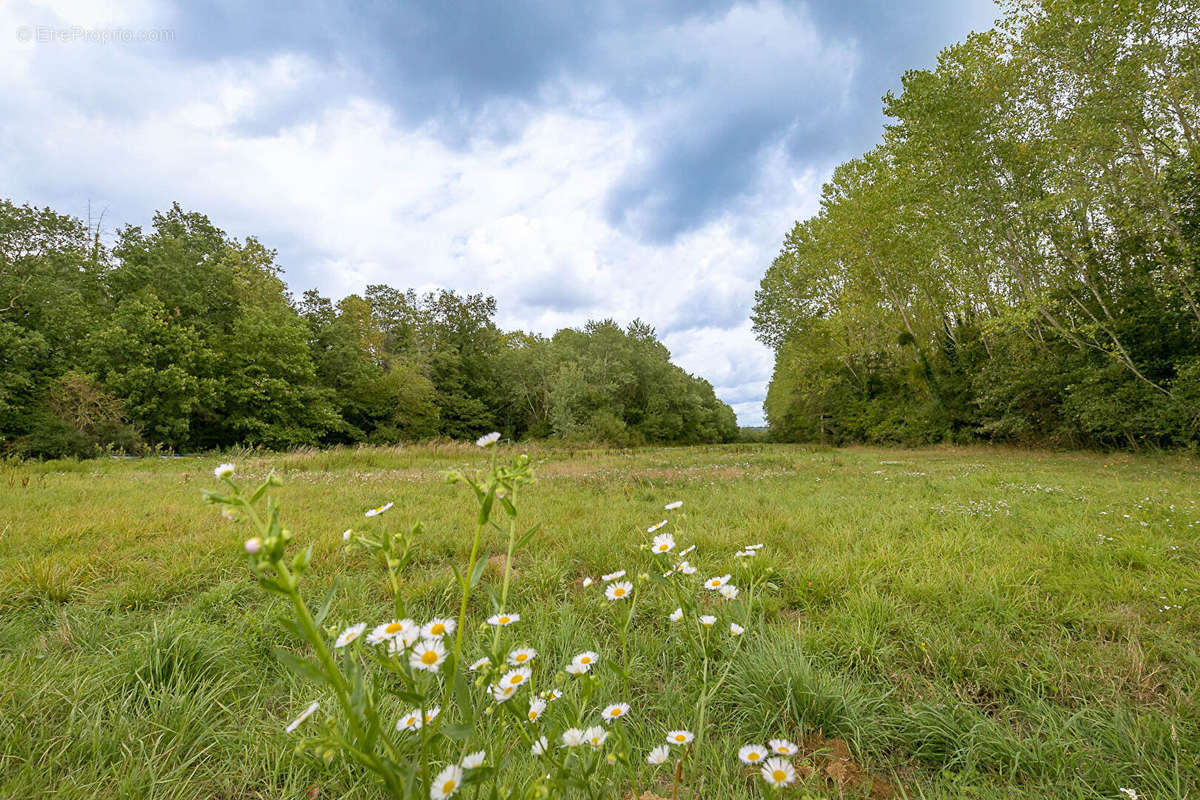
x=575 y=160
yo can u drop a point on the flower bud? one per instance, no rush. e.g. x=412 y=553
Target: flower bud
x=253 y=545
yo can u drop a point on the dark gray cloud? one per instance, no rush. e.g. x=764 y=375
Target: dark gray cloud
x=725 y=91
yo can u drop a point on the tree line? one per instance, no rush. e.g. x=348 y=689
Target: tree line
x=1019 y=258
x=183 y=338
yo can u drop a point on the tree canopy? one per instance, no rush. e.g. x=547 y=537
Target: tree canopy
x=1019 y=258
x=181 y=337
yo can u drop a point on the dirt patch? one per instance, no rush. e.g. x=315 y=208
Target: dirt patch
x=830 y=760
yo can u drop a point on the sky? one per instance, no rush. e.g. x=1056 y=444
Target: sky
x=576 y=161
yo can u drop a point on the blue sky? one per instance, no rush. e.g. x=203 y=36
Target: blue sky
x=590 y=160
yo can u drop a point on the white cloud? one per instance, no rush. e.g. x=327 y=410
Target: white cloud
x=351 y=196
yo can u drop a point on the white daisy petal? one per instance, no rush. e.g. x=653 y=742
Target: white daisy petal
x=446 y=783
x=778 y=772
x=350 y=634
x=305 y=714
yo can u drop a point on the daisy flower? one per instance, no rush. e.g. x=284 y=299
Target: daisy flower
x=405 y=638
x=536 y=707
x=673 y=506
x=516 y=677
x=595 y=736
x=587 y=582
x=612 y=576
x=410 y=721
x=553 y=695
x=687 y=550
x=586 y=659
x=658 y=755
x=754 y=547
x=745 y=554
x=663 y=543
x=253 y=545
x=653 y=528
x=502 y=693
x=778 y=772
x=729 y=591
x=540 y=746
x=350 y=634
x=346 y=534
x=428 y=655
x=575 y=669
x=618 y=590
x=679 y=737
x=573 y=737
x=223 y=471
x=438 y=627
x=474 y=760
x=503 y=619
x=488 y=439
x=752 y=754
x=686 y=568
x=676 y=615
x=783 y=747
x=707 y=620
x=480 y=664
x=305 y=714
x=431 y=714
x=714 y=584
x=614 y=711
x=668 y=573
x=389 y=630
x=446 y=783
x=375 y=512
x=735 y=629
x=522 y=656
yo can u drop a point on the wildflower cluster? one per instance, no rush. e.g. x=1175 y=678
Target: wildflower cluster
x=434 y=706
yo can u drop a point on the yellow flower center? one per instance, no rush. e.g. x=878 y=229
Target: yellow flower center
x=533 y=715
x=779 y=775
x=429 y=657
x=585 y=659
x=516 y=679
x=504 y=620
x=438 y=629
x=753 y=756
x=618 y=592
x=448 y=786
x=679 y=737
x=616 y=712
x=393 y=627
x=519 y=657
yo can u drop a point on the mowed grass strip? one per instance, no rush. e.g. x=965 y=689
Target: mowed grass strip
x=944 y=623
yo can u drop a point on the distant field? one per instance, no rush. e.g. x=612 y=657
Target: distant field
x=945 y=623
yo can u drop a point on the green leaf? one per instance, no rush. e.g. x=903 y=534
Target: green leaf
x=462 y=698
x=527 y=535
x=457 y=731
x=326 y=604
x=300 y=666
x=477 y=573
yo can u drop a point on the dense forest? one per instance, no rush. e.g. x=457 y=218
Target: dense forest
x=183 y=338
x=1019 y=259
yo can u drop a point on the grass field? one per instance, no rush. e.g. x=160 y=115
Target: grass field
x=943 y=623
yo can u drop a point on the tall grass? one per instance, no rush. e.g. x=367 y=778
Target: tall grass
x=972 y=623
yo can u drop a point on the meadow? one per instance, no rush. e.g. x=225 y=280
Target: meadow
x=938 y=623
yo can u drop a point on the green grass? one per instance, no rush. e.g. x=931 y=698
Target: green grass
x=972 y=623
